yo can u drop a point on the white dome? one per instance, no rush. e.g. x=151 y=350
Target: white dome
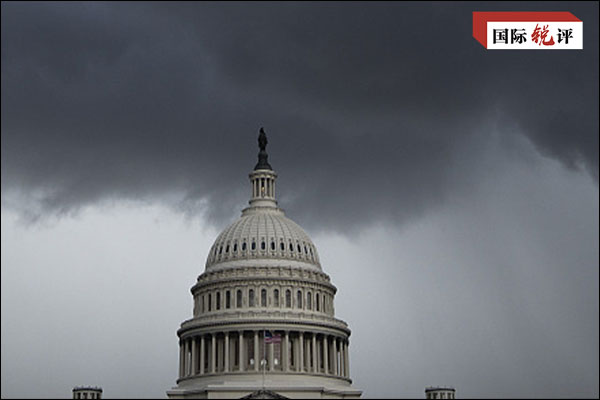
x=263 y=237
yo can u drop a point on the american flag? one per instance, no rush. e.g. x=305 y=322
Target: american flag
x=270 y=338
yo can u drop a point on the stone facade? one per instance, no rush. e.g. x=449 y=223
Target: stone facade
x=262 y=275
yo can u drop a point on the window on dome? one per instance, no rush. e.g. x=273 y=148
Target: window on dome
x=276 y=297
x=209 y=302
x=253 y=245
x=218 y=307
x=288 y=298
x=305 y=250
x=272 y=245
x=317 y=302
x=239 y=299
x=263 y=298
x=234 y=247
x=291 y=247
x=227 y=249
x=299 y=249
x=228 y=299
x=220 y=249
x=251 y=298
x=262 y=245
x=244 y=246
x=299 y=299
x=282 y=246
x=308 y=301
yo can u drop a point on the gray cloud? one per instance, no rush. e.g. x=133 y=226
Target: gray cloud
x=163 y=102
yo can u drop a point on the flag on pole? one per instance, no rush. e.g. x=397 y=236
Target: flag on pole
x=270 y=338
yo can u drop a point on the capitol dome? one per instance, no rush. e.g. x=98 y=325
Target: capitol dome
x=267 y=235
x=263 y=311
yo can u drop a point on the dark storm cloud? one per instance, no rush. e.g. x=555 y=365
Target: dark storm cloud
x=138 y=101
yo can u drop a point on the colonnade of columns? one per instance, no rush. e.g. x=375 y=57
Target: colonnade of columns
x=263 y=186
x=245 y=351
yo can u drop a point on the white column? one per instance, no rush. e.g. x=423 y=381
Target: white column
x=346 y=361
x=181 y=358
x=194 y=357
x=213 y=353
x=307 y=353
x=271 y=356
x=241 y=350
x=286 y=352
x=186 y=366
x=301 y=353
x=256 y=361
x=202 y=354
x=332 y=352
x=342 y=373
x=314 y=353
x=325 y=354
x=335 y=358
x=226 y=364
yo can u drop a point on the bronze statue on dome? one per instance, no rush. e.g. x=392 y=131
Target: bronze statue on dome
x=262 y=154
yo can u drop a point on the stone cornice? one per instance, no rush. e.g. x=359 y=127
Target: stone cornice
x=271 y=373
x=260 y=319
x=264 y=274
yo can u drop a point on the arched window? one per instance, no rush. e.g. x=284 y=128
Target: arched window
x=299 y=249
x=234 y=247
x=288 y=298
x=281 y=245
x=220 y=249
x=251 y=298
x=308 y=301
x=291 y=247
x=228 y=299
x=239 y=299
x=209 y=302
x=299 y=299
x=276 y=297
x=263 y=298
x=253 y=245
x=317 y=302
x=244 y=246
x=227 y=249
x=262 y=245
x=272 y=245
x=218 y=301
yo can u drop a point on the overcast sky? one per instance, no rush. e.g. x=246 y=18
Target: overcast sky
x=452 y=192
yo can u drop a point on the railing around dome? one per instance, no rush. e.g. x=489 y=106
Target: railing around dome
x=288 y=317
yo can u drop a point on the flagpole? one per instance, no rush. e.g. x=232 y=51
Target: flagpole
x=264 y=360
